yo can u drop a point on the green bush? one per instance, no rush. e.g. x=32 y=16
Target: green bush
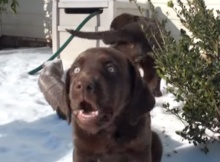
x=191 y=66
x=8 y=5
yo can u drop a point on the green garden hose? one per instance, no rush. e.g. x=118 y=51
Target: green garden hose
x=65 y=43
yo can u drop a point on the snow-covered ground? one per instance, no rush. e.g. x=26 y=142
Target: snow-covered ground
x=31 y=132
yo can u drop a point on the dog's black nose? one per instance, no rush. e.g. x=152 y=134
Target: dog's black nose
x=86 y=86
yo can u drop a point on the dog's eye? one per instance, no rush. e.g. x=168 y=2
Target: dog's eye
x=76 y=70
x=111 y=68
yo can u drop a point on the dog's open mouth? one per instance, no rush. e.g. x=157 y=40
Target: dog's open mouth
x=87 y=112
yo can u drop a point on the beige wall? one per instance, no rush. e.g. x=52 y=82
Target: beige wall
x=31 y=20
x=174 y=24
x=34 y=18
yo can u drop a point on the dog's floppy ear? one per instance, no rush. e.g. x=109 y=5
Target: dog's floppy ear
x=53 y=88
x=67 y=99
x=142 y=100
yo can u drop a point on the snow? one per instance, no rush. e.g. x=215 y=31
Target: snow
x=30 y=130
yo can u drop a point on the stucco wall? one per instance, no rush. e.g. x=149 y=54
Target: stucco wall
x=33 y=19
x=174 y=25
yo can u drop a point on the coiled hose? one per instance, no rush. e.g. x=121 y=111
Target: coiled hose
x=32 y=72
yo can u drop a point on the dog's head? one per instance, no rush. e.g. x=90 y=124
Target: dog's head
x=123 y=20
x=101 y=84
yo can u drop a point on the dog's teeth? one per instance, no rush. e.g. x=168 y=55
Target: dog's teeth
x=88 y=115
x=95 y=113
x=75 y=112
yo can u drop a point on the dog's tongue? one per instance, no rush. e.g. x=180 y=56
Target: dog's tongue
x=87 y=116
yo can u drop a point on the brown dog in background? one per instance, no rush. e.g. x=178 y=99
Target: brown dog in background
x=110 y=109
x=127 y=34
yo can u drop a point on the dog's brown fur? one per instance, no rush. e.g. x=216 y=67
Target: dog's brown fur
x=104 y=80
x=127 y=35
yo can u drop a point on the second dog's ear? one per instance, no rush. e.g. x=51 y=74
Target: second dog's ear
x=142 y=100
x=128 y=33
x=108 y=37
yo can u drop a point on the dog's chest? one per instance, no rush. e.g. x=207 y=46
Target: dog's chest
x=95 y=145
x=114 y=158
x=104 y=146
x=119 y=157
x=108 y=150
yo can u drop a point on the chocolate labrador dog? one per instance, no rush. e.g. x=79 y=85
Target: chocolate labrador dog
x=109 y=106
x=135 y=36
